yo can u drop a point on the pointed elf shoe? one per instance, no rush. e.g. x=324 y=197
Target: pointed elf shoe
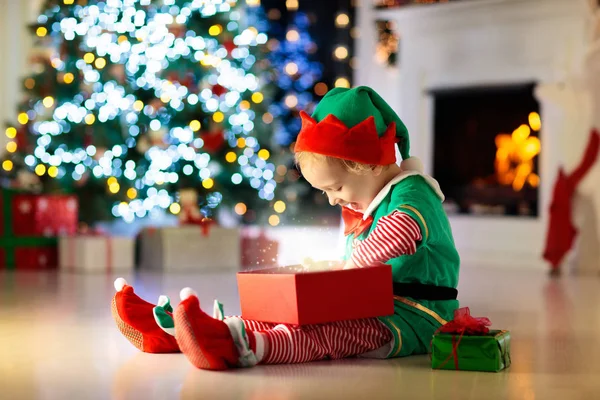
x=210 y=343
x=135 y=319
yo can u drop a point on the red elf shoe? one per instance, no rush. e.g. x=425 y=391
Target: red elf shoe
x=136 y=321
x=210 y=343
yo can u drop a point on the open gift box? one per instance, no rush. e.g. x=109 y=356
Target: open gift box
x=322 y=293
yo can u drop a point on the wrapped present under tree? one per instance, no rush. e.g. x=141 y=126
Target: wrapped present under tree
x=466 y=343
x=202 y=246
x=29 y=227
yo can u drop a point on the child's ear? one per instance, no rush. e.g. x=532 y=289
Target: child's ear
x=377 y=169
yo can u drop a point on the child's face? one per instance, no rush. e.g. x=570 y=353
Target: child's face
x=341 y=186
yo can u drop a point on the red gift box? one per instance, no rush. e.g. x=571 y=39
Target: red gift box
x=32 y=258
x=296 y=296
x=29 y=225
x=259 y=250
x=49 y=215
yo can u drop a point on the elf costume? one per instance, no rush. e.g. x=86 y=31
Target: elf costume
x=404 y=226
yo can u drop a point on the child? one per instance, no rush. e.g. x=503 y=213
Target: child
x=392 y=214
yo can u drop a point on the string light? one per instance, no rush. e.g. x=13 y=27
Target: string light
x=291 y=101
x=240 y=209
x=291 y=5
x=264 y=154
x=241 y=143
x=114 y=188
x=253 y=3
x=48 y=101
x=68 y=78
x=29 y=83
x=257 y=97
x=68 y=2
x=321 y=89
x=274 y=220
x=100 y=63
x=341 y=52
x=218 y=117
x=41 y=31
x=291 y=68
x=195 y=125
x=342 y=82
x=52 y=172
x=342 y=20
x=7 y=165
x=89 y=58
x=208 y=183
x=231 y=157
x=292 y=35
x=11 y=132
x=40 y=169
x=11 y=147
x=215 y=30
x=279 y=206
x=267 y=118
x=175 y=208
x=23 y=118
x=131 y=193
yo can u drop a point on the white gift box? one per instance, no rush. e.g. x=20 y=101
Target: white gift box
x=190 y=248
x=96 y=253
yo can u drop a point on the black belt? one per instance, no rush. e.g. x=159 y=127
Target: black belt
x=419 y=291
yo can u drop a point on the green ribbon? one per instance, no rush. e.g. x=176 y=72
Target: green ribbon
x=9 y=242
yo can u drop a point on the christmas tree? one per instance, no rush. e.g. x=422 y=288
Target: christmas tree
x=134 y=101
x=297 y=74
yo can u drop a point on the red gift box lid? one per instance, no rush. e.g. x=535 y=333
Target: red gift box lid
x=300 y=296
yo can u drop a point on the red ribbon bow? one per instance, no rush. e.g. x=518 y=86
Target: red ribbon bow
x=204 y=224
x=463 y=323
x=354 y=222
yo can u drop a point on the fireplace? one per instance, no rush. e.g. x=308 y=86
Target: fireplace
x=486 y=145
x=478 y=50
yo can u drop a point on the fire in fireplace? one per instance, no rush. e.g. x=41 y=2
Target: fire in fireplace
x=486 y=148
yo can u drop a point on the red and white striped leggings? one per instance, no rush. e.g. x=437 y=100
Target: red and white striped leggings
x=286 y=344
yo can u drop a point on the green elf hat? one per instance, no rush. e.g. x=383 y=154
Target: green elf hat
x=358 y=125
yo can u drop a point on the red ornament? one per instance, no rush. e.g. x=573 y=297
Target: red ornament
x=173 y=77
x=213 y=141
x=218 y=90
x=21 y=138
x=561 y=232
x=189 y=81
x=88 y=139
x=229 y=45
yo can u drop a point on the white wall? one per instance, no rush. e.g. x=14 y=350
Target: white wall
x=15 y=43
x=479 y=43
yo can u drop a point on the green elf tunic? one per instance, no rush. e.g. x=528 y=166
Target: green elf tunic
x=436 y=261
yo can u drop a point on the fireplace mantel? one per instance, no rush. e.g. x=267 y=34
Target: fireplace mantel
x=491 y=42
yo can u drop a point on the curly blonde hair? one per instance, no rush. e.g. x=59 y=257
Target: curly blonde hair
x=303 y=158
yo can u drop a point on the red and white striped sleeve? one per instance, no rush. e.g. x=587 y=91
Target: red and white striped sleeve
x=395 y=235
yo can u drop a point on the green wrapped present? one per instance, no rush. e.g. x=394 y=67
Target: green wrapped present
x=467 y=344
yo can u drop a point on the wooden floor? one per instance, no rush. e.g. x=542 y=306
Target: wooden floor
x=58 y=341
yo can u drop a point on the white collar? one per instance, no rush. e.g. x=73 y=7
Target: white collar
x=400 y=177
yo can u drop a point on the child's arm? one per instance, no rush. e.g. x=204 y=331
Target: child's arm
x=395 y=235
